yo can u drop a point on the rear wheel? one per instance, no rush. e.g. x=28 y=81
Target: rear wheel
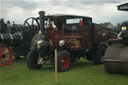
x=99 y=54
x=63 y=61
x=32 y=60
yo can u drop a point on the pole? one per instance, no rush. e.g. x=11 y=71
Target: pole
x=56 y=64
x=56 y=67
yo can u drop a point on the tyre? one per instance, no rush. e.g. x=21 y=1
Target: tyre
x=32 y=59
x=63 y=61
x=99 y=54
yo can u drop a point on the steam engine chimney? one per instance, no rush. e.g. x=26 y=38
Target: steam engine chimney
x=42 y=19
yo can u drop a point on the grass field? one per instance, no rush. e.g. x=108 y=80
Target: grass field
x=81 y=73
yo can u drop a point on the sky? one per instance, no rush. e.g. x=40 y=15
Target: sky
x=100 y=10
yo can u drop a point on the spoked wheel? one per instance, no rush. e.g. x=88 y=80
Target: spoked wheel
x=63 y=61
x=32 y=60
x=30 y=24
x=5 y=55
x=99 y=54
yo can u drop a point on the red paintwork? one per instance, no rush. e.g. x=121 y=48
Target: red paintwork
x=116 y=39
x=66 y=62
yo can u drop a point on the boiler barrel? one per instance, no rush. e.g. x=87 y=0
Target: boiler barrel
x=11 y=39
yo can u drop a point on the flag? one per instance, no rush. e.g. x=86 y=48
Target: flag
x=81 y=22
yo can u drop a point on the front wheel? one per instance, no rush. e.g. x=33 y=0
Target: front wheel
x=63 y=61
x=32 y=59
x=5 y=55
x=99 y=54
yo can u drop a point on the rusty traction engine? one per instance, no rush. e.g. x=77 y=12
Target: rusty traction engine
x=16 y=39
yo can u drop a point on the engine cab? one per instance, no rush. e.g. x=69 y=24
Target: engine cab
x=124 y=30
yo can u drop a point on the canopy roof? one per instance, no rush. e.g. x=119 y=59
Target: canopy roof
x=64 y=16
x=123 y=7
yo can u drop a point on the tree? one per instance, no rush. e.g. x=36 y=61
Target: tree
x=107 y=24
x=110 y=25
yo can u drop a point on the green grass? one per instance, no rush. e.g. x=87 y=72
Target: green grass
x=81 y=73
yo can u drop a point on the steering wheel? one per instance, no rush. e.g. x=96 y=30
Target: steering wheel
x=30 y=24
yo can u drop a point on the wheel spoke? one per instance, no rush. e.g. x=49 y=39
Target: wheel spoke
x=28 y=24
x=32 y=22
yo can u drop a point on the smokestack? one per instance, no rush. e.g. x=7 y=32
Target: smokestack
x=42 y=19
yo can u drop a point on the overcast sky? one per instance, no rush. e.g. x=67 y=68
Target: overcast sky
x=100 y=10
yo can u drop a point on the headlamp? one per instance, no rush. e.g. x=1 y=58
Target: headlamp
x=123 y=28
x=61 y=43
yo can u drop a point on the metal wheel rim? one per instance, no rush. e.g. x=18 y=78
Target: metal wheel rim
x=64 y=62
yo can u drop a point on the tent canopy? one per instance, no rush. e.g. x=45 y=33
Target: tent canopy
x=123 y=7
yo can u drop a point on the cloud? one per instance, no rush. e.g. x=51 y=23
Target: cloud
x=99 y=10
x=26 y=5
